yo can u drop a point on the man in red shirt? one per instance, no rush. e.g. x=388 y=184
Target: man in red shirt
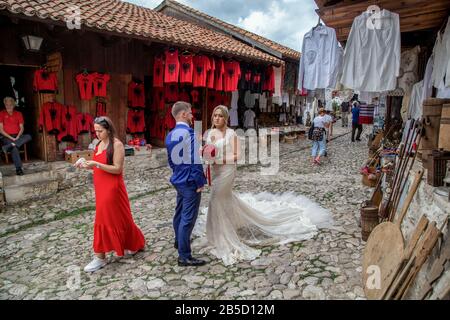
x=11 y=130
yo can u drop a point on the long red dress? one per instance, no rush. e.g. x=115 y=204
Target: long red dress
x=114 y=227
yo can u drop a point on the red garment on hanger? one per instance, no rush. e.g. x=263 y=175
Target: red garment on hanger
x=69 y=123
x=201 y=68
x=100 y=81
x=211 y=74
x=85 y=123
x=218 y=74
x=100 y=109
x=171 y=93
x=269 y=82
x=186 y=68
x=169 y=120
x=172 y=67
x=157 y=99
x=232 y=75
x=135 y=121
x=50 y=117
x=158 y=72
x=45 y=81
x=195 y=95
x=85 y=85
x=184 y=96
x=136 y=95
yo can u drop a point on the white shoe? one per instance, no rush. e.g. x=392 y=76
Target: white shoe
x=95 y=265
x=129 y=253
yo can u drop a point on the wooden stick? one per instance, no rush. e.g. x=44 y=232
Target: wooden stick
x=411 y=193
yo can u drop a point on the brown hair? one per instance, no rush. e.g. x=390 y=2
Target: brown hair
x=108 y=125
x=224 y=110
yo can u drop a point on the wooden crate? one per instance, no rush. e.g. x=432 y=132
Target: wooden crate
x=75 y=155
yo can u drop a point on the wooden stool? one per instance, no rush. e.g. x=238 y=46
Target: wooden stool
x=22 y=150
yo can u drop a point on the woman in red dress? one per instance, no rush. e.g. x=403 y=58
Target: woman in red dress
x=114 y=227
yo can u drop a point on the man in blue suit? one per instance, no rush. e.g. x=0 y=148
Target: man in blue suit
x=187 y=178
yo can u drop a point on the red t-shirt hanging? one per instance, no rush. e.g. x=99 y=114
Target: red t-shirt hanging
x=269 y=82
x=45 y=81
x=85 y=123
x=100 y=109
x=172 y=67
x=85 y=85
x=136 y=121
x=100 y=81
x=201 y=68
x=232 y=75
x=11 y=122
x=195 y=96
x=186 y=68
x=169 y=121
x=136 y=95
x=158 y=72
x=50 y=117
x=171 y=93
x=158 y=99
x=69 y=123
x=218 y=75
x=210 y=76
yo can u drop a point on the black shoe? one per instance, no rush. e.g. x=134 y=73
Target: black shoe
x=353 y=140
x=192 y=262
x=19 y=172
x=358 y=139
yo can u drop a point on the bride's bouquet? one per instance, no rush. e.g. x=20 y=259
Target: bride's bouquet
x=209 y=152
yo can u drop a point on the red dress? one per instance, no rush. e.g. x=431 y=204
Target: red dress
x=114 y=228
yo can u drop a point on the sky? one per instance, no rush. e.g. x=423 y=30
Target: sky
x=283 y=21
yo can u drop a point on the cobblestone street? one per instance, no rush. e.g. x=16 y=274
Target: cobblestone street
x=45 y=244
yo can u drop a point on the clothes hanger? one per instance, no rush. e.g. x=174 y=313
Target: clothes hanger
x=319 y=24
x=85 y=72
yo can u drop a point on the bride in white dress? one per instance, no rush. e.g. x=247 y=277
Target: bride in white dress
x=236 y=222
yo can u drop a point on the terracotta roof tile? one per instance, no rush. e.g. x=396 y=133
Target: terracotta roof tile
x=123 y=17
x=288 y=52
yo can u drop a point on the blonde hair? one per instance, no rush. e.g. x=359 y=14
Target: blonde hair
x=225 y=114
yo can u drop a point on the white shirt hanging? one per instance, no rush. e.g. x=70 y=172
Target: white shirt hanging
x=319 y=60
x=234 y=121
x=415 y=103
x=249 y=118
x=263 y=101
x=234 y=99
x=372 y=53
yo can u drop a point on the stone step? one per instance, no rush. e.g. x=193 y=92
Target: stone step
x=29 y=178
x=32 y=190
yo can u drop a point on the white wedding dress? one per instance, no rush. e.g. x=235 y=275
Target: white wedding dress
x=232 y=223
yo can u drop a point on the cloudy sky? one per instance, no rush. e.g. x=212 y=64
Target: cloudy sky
x=283 y=21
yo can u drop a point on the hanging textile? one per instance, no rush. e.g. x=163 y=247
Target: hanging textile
x=100 y=81
x=372 y=54
x=50 y=117
x=158 y=72
x=319 y=63
x=85 y=85
x=172 y=66
x=136 y=94
x=45 y=81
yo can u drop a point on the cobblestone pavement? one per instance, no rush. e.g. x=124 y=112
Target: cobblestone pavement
x=44 y=259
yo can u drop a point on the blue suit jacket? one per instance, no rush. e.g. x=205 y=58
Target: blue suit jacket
x=184 y=158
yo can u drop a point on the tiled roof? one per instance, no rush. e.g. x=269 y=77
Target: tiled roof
x=285 y=51
x=126 y=18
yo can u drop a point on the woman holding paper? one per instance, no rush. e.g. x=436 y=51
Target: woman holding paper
x=114 y=228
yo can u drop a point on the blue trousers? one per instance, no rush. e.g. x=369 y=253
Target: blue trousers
x=319 y=147
x=186 y=212
x=7 y=147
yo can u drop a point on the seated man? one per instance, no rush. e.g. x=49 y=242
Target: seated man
x=11 y=132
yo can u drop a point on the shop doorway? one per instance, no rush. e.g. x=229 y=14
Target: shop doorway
x=17 y=82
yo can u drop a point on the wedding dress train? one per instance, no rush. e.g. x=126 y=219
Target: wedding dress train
x=233 y=223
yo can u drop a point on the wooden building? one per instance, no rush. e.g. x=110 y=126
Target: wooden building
x=112 y=37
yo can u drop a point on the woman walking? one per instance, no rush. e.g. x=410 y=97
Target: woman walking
x=114 y=228
x=319 y=147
